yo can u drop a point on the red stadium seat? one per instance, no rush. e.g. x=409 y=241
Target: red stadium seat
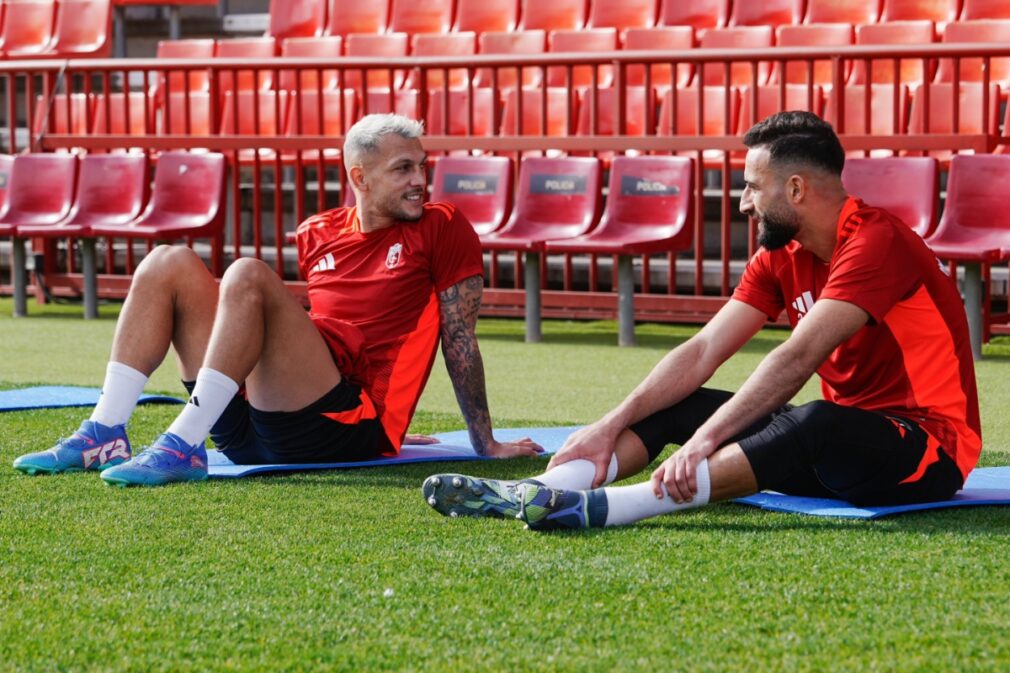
x=259 y=48
x=842 y=11
x=410 y=16
x=985 y=9
x=741 y=37
x=513 y=42
x=686 y=123
x=897 y=32
x=589 y=40
x=391 y=44
x=941 y=116
x=637 y=118
x=812 y=35
x=111 y=191
x=296 y=18
x=63 y=115
x=456 y=123
x=27 y=27
x=184 y=115
x=481 y=187
x=327 y=46
x=940 y=12
x=700 y=15
x=532 y=112
x=449 y=44
x=665 y=38
x=554 y=15
x=975 y=229
x=766 y=13
x=357 y=16
x=649 y=209
x=404 y=102
x=187 y=201
x=123 y=114
x=41 y=191
x=971 y=68
x=338 y=114
x=908 y=187
x=481 y=16
x=254 y=113
x=82 y=29
x=622 y=14
x=881 y=121
x=198 y=79
x=772 y=98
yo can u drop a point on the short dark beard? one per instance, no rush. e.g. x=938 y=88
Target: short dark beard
x=776 y=231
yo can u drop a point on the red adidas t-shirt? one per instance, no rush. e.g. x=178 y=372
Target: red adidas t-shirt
x=913 y=358
x=373 y=296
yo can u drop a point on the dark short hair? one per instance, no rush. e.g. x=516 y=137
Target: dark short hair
x=797 y=137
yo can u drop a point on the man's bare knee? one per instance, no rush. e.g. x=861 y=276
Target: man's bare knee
x=167 y=264
x=249 y=279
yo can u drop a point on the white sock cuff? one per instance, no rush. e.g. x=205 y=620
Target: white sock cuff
x=611 y=470
x=126 y=371
x=206 y=375
x=704 y=484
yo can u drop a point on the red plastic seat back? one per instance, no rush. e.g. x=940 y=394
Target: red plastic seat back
x=337 y=110
x=41 y=188
x=83 y=29
x=63 y=115
x=27 y=26
x=937 y=11
x=404 y=102
x=123 y=114
x=908 y=187
x=771 y=98
x=740 y=37
x=532 y=112
x=481 y=187
x=411 y=16
x=882 y=110
x=456 y=123
x=481 y=16
x=553 y=15
x=842 y=11
x=686 y=122
x=941 y=113
x=390 y=44
x=819 y=35
x=254 y=113
x=112 y=189
x=512 y=42
x=186 y=115
x=976 y=199
x=296 y=18
x=766 y=12
x=557 y=198
x=199 y=50
x=660 y=38
x=622 y=14
x=698 y=14
x=589 y=40
x=188 y=186
x=654 y=193
x=328 y=46
x=357 y=16
x=985 y=9
x=637 y=118
x=993 y=30
x=259 y=48
x=450 y=44
x=902 y=32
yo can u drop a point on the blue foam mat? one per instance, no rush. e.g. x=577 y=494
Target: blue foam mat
x=451 y=446
x=984 y=486
x=53 y=397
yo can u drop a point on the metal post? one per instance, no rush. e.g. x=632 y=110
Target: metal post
x=90 y=278
x=119 y=31
x=532 y=278
x=19 y=278
x=973 y=306
x=174 y=22
x=625 y=301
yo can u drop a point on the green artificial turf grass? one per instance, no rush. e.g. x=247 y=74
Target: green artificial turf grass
x=350 y=570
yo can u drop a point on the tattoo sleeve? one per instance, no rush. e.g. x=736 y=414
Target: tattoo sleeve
x=459 y=306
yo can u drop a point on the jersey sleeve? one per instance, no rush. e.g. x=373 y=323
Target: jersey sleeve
x=456 y=252
x=868 y=271
x=759 y=286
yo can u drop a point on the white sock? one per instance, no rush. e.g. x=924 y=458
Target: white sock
x=211 y=394
x=627 y=504
x=120 y=391
x=576 y=475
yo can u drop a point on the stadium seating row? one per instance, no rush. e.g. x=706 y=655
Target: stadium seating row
x=51 y=29
x=307 y=18
x=61 y=196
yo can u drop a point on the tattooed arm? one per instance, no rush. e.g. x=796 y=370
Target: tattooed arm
x=459 y=306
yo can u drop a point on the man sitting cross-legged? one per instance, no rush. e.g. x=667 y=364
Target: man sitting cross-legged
x=271 y=383
x=873 y=313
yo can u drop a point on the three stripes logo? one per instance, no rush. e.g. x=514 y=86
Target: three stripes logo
x=327 y=263
x=802 y=304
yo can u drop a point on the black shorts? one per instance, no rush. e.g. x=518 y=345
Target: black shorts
x=822 y=449
x=248 y=436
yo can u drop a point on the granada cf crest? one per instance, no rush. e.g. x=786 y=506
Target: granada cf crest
x=394 y=257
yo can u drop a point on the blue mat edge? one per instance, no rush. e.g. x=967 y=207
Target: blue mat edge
x=48 y=397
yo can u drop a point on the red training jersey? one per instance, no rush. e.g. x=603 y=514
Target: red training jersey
x=373 y=297
x=913 y=358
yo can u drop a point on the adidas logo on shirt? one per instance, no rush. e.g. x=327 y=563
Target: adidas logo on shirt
x=803 y=303
x=327 y=263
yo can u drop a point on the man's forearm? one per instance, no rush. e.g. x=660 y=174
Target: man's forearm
x=466 y=371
